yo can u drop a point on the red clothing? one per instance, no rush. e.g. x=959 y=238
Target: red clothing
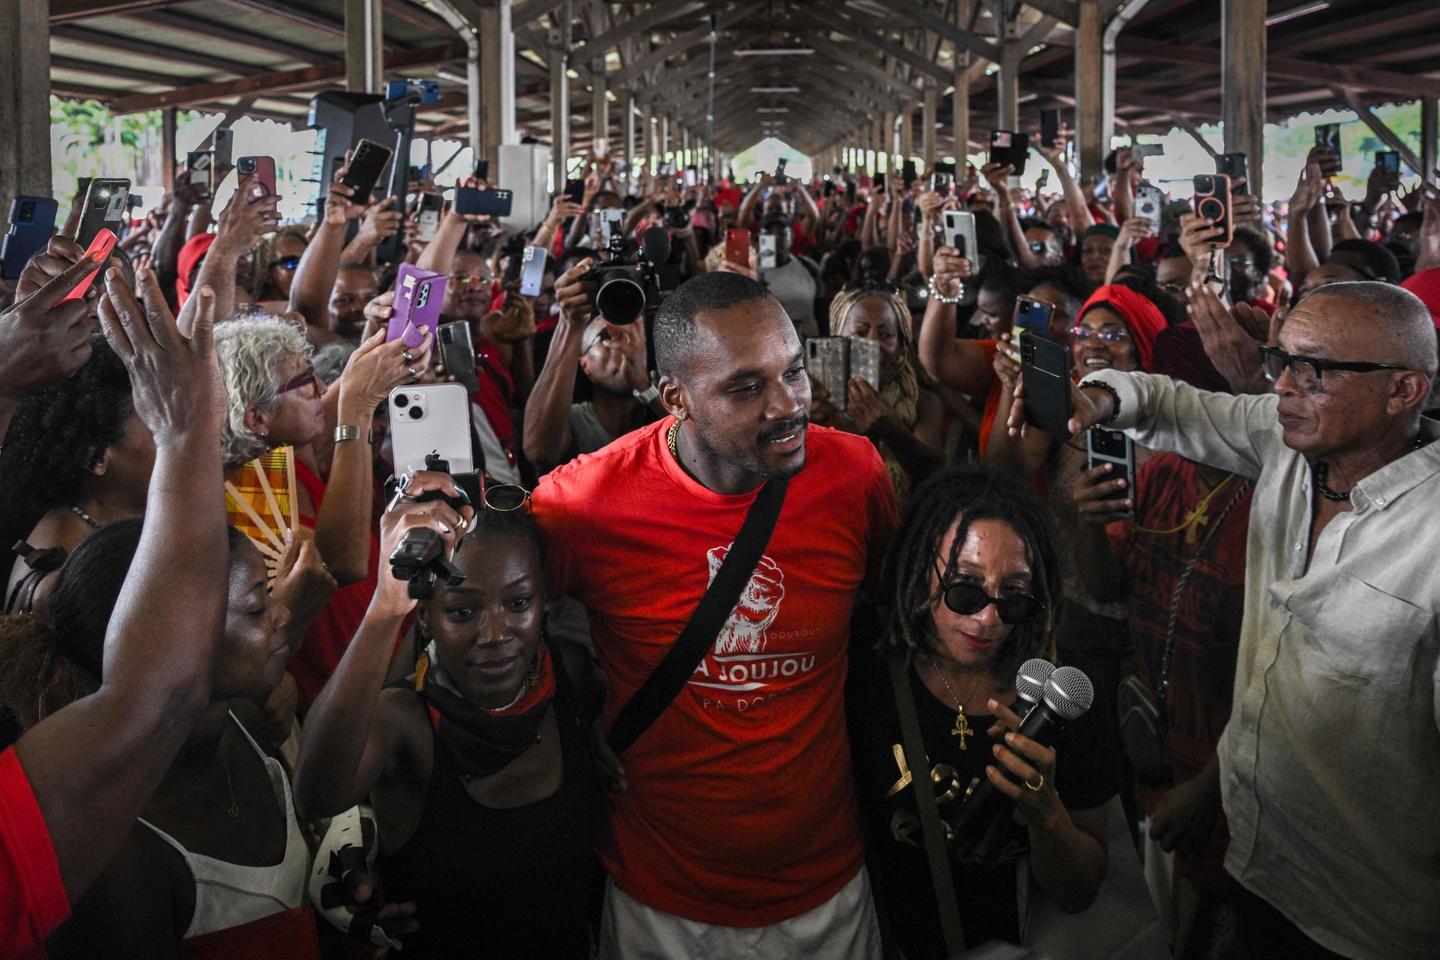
x=32 y=896
x=992 y=399
x=287 y=935
x=1142 y=318
x=330 y=633
x=1207 y=630
x=741 y=809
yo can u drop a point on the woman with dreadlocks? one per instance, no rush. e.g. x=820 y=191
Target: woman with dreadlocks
x=478 y=766
x=971 y=582
x=903 y=419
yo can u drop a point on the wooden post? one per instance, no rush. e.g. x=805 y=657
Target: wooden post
x=599 y=108
x=960 y=99
x=928 y=116
x=1242 y=84
x=25 y=102
x=1007 y=81
x=665 y=151
x=560 y=97
x=1091 y=142
x=647 y=136
x=907 y=131
x=630 y=138
x=167 y=148
x=364 y=46
x=1428 y=158
x=497 y=79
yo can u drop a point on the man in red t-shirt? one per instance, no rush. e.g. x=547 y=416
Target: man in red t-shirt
x=740 y=811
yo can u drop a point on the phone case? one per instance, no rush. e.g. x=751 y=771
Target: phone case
x=1112 y=446
x=457 y=350
x=106 y=204
x=367 y=162
x=427 y=216
x=825 y=362
x=432 y=418
x=1150 y=204
x=32 y=219
x=532 y=272
x=1212 y=200
x=865 y=361
x=737 y=247
x=483 y=203
x=103 y=243
x=769 y=257
x=262 y=169
x=418 y=297
x=1045 y=369
x=1032 y=315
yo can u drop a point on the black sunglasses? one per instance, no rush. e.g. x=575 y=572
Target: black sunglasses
x=968 y=599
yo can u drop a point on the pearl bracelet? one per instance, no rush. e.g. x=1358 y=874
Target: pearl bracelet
x=935 y=293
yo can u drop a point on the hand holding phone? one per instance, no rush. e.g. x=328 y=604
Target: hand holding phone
x=99 y=251
x=367 y=162
x=737 y=247
x=1110 y=459
x=1212 y=201
x=1045 y=373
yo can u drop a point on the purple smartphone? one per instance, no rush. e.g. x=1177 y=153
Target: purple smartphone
x=419 y=295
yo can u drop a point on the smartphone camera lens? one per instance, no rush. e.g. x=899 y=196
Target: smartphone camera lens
x=417 y=413
x=401 y=401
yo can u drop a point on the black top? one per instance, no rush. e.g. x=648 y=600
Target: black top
x=521 y=883
x=1085 y=777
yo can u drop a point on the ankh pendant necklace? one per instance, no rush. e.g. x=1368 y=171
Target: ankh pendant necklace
x=961 y=730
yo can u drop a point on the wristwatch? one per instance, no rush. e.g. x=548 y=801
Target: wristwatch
x=348 y=431
x=648 y=395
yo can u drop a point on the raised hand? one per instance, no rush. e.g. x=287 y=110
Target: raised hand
x=44 y=338
x=1100 y=497
x=375 y=369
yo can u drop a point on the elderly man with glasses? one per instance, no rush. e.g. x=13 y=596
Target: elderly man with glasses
x=1330 y=762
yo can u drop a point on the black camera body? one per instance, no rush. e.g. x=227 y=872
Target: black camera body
x=420 y=556
x=632 y=285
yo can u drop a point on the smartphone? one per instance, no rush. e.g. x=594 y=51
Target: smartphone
x=107 y=204
x=418 y=296
x=769 y=252
x=101 y=246
x=484 y=203
x=427 y=216
x=1327 y=135
x=32 y=220
x=850 y=192
x=833 y=362
x=457 y=352
x=1387 y=161
x=482 y=170
x=224 y=148
x=828 y=189
x=880 y=181
x=611 y=229
x=1049 y=127
x=1150 y=204
x=737 y=247
x=1043 y=179
x=942 y=177
x=431 y=419
x=1235 y=166
x=1032 y=315
x=1045 y=370
x=575 y=191
x=1009 y=147
x=1113 y=447
x=959 y=226
x=780 y=177
x=367 y=162
x=1142 y=150
x=262 y=169
x=197 y=168
x=532 y=271
x=1212 y=201
x=907 y=173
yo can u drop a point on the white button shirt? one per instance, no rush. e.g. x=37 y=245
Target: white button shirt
x=1330 y=762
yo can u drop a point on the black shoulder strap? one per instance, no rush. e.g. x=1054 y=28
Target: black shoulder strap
x=925 y=805
x=680 y=661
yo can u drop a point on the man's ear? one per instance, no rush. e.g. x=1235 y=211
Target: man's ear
x=257 y=421
x=1409 y=390
x=674 y=397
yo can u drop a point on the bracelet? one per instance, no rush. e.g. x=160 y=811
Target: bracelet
x=936 y=295
x=1114 y=397
x=349 y=431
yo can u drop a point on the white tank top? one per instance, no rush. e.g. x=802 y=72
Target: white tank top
x=228 y=894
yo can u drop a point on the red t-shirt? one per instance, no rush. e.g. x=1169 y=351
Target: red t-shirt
x=32 y=896
x=741 y=809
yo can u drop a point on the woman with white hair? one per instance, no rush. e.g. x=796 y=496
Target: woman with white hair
x=274 y=398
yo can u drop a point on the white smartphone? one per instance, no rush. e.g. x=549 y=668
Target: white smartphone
x=960 y=234
x=432 y=418
x=768 y=252
x=1150 y=205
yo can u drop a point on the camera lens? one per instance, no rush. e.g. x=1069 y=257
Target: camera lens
x=417 y=413
x=27 y=211
x=401 y=401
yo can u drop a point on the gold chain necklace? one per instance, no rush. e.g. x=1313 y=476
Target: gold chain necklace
x=672 y=439
x=961 y=730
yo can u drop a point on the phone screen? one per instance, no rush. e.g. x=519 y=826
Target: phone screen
x=532 y=273
x=1049 y=127
x=1388 y=161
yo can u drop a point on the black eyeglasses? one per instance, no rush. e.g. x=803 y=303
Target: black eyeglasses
x=968 y=599
x=306 y=379
x=289 y=263
x=1307 y=372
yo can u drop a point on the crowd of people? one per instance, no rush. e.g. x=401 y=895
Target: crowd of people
x=732 y=649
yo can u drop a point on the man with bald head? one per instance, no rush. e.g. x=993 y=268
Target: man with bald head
x=1330 y=762
x=738 y=832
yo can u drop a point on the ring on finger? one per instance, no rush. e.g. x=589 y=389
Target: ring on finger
x=414 y=375
x=407 y=356
x=1036 y=787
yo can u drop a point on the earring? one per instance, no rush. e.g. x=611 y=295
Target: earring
x=679 y=414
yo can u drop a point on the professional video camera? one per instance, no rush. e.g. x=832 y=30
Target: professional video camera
x=420 y=556
x=633 y=284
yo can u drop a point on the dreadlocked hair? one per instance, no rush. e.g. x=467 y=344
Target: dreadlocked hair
x=957 y=497
x=49 y=662
x=57 y=435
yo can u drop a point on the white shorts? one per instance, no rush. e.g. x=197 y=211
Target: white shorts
x=843 y=928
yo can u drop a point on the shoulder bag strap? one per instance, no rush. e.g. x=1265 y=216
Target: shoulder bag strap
x=925 y=805
x=675 y=670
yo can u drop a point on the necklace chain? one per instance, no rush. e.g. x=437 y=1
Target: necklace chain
x=961 y=730
x=672 y=440
x=1321 y=470
x=95 y=524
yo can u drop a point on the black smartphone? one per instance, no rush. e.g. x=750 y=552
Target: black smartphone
x=1049 y=127
x=106 y=205
x=224 y=149
x=1234 y=166
x=575 y=191
x=1033 y=315
x=486 y=203
x=457 y=352
x=482 y=170
x=880 y=180
x=367 y=162
x=1387 y=161
x=1045 y=370
x=850 y=191
x=828 y=189
x=1112 y=447
x=1327 y=135
x=1009 y=147
x=907 y=173
x=780 y=177
x=532 y=271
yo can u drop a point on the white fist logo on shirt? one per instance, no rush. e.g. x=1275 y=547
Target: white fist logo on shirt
x=759 y=605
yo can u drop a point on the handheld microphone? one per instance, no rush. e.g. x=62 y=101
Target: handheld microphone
x=1030 y=685
x=1068 y=695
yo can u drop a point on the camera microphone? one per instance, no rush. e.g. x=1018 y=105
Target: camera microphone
x=1068 y=694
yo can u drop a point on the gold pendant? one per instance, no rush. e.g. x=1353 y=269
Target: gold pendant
x=961 y=730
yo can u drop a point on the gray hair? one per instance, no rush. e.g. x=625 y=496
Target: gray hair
x=252 y=351
x=1403 y=322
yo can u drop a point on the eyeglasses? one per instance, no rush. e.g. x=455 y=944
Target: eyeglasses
x=306 y=379
x=468 y=279
x=1307 y=371
x=289 y=263
x=504 y=497
x=968 y=599
x=1082 y=333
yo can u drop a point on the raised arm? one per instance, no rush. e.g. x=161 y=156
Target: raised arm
x=930 y=204
x=1300 y=255
x=547 y=412
x=955 y=363
x=999 y=177
x=809 y=213
x=94 y=764
x=1074 y=196
x=315 y=276
x=1130 y=232
x=745 y=220
x=244 y=219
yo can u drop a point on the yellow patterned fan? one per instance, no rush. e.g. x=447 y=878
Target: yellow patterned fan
x=260 y=501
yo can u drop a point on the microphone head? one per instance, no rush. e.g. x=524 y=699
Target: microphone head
x=1069 y=693
x=1031 y=678
x=655 y=245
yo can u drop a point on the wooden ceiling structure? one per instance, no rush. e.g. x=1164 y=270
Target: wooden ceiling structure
x=822 y=77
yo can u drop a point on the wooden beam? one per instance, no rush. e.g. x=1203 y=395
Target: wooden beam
x=639 y=25
x=25 y=101
x=1185 y=124
x=277 y=81
x=291 y=14
x=207 y=30
x=1354 y=33
x=530 y=10
x=685 y=41
x=1090 y=142
x=847 y=60
x=102 y=69
x=1242 y=83
x=364 y=46
x=1386 y=135
x=955 y=34
x=68 y=11
x=836 y=19
x=960 y=99
x=114 y=41
x=1428 y=141
x=1063 y=11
